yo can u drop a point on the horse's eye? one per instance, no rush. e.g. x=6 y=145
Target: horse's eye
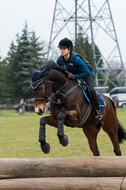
x=41 y=88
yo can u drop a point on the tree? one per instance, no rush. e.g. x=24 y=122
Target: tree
x=79 y=46
x=34 y=57
x=100 y=63
x=38 y=53
x=13 y=73
x=84 y=48
x=2 y=80
x=26 y=52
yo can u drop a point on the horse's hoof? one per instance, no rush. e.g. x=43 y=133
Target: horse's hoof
x=64 y=140
x=45 y=148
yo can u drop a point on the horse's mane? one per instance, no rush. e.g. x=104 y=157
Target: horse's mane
x=52 y=65
x=37 y=76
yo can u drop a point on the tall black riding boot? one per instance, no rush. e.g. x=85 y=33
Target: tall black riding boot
x=95 y=102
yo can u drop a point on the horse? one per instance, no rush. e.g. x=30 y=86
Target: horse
x=69 y=107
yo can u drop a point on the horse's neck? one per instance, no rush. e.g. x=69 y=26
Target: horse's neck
x=58 y=78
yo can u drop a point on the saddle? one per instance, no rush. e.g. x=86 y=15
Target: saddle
x=86 y=92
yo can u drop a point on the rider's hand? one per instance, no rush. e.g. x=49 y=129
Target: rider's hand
x=71 y=76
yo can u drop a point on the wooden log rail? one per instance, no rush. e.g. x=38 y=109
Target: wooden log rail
x=70 y=183
x=63 y=167
x=87 y=173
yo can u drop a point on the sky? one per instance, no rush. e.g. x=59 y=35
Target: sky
x=39 y=15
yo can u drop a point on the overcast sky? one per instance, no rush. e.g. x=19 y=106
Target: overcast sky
x=39 y=14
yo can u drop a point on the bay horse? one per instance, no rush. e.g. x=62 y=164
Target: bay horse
x=69 y=107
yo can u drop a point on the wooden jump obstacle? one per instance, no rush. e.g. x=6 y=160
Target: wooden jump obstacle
x=87 y=173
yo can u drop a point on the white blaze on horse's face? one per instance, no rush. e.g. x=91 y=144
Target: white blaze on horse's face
x=39 y=107
x=36 y=109
x=39 y=93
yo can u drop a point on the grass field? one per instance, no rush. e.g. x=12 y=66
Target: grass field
x=19 y=138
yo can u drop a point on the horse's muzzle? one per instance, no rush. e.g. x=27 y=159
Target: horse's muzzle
x=39 y=107
x=38 y=111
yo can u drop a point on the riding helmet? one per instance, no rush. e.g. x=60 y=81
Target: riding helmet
x=65 y=43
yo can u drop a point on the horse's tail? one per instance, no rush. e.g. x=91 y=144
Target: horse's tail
x=121 y=133
x=121 y=130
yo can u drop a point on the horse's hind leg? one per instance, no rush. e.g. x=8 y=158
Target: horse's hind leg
x=112 y=130
x=91 y=134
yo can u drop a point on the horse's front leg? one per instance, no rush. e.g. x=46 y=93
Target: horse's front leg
x=42 y=132
x=63 y=139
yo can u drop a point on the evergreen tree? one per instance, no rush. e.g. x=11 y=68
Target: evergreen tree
x=89 y=53
x=79 y=46
x=84 y=48
x=100 y=64
x=13 y=73
x=2 y=81
x=1 y=78
x=34 y=57
x=38 y=53
x=27 y=52
x=4 y=87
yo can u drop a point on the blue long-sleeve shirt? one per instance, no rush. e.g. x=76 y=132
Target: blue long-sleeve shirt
x=82 y=69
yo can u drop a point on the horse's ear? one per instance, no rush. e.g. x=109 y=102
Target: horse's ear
x=31 y=71
x=42 y=72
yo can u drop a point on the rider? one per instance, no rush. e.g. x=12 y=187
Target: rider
x=78 y=68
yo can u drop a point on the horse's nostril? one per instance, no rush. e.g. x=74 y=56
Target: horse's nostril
x=40 y=112
x=39 y=109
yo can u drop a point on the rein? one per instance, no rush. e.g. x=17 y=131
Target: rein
x=58 y=92
x=59 y=101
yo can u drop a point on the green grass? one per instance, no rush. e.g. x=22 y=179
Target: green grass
x=19 y=138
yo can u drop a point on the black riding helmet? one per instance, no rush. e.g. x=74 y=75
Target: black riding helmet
x=66 y=43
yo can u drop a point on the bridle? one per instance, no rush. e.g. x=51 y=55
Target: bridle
x=46 y=97
x=58 y=92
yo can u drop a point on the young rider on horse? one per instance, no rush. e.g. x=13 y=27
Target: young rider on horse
x=78 y=68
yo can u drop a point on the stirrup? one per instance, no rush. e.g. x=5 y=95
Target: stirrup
x=98 y=115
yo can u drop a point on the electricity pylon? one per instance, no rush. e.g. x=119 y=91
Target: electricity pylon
x=94 y=19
